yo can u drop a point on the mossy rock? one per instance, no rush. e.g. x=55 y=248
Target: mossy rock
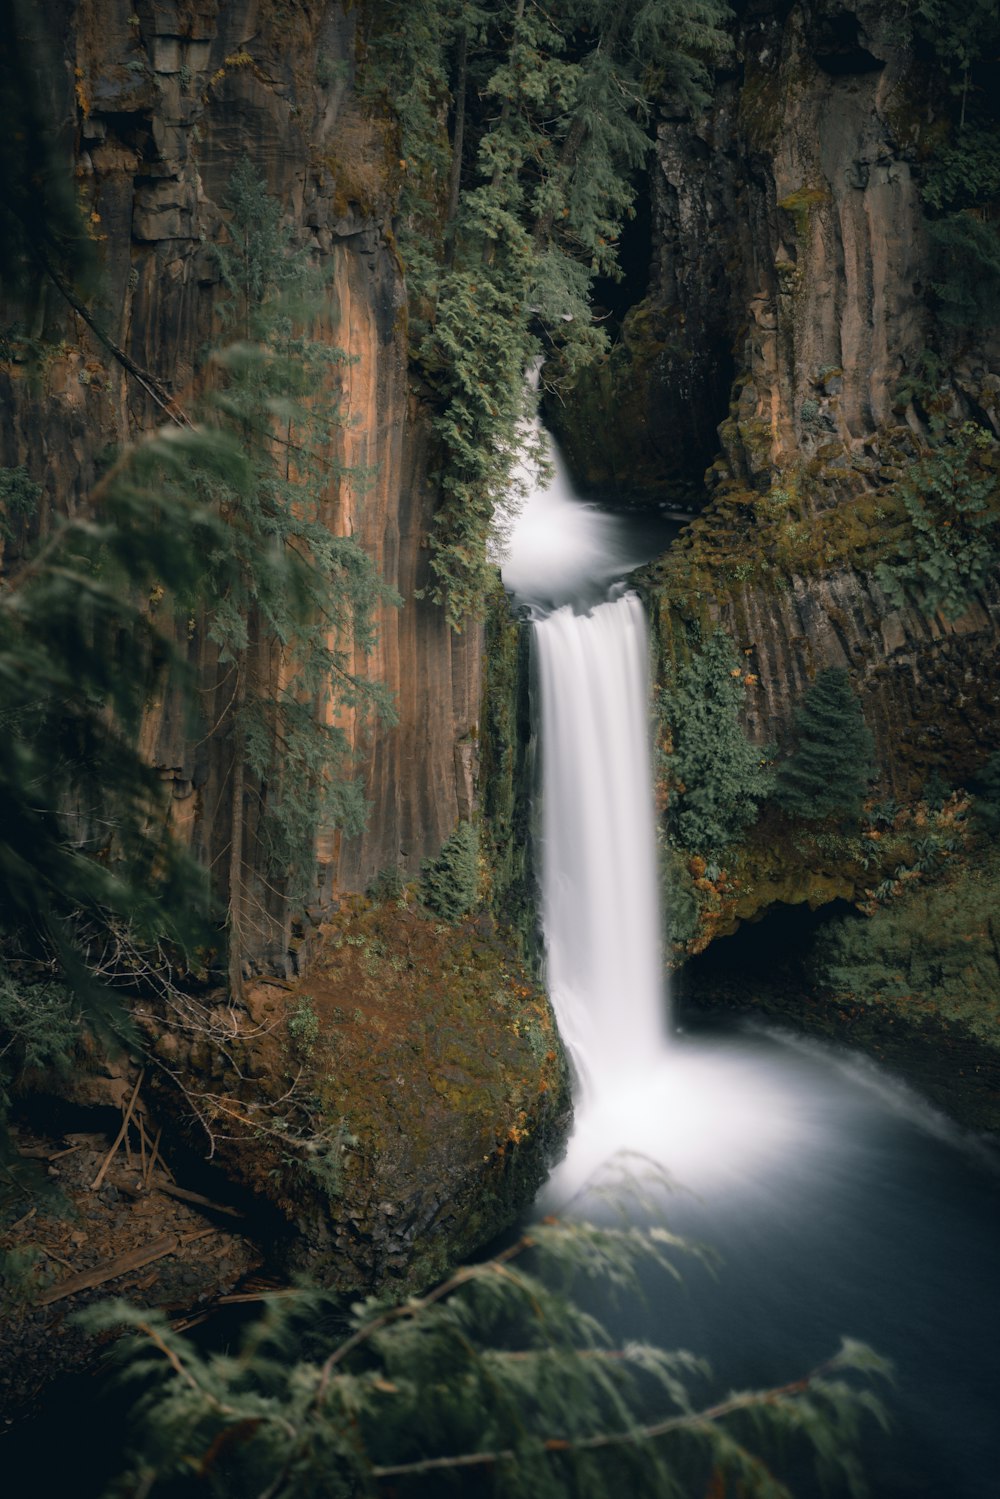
x=400 y=1105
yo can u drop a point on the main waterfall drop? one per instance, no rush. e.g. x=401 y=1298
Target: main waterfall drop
x=704 y=1115
x=600 y=888
x=600 y=910
x=837 y=1201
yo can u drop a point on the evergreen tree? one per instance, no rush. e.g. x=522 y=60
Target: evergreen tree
x=717 y=777
x=85 y=841
x=829 y=770
x=449 y=884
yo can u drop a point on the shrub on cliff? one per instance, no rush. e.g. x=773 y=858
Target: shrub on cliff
x=717 y=778
x=449 y=884
x=952 y=500
x=829 y=770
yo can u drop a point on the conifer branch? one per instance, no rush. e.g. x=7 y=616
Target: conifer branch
x=692 y=1421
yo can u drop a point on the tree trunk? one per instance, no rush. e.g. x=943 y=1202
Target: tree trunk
x=236 y=901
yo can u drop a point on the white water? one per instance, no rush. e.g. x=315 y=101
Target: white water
x=600 y=907
x=705 y=1116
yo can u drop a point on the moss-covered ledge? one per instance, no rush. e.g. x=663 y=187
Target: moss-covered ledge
x=915 y=984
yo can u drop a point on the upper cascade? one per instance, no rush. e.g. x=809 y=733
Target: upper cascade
x=555 y=548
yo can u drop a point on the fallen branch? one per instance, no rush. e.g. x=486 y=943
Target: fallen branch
x=51 y=1254
x=120 y=1135
x=135 y=1259
x=151 y=1163
x=182 y=1195
x=18 y=1222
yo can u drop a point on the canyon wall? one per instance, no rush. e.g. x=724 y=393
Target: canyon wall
x=157 y=103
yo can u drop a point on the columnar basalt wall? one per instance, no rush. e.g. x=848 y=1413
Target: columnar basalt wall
x=158 y=101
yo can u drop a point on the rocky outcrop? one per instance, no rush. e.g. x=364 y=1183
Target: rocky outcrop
x=398 y=1106
x=161 y=100
x=925 y=681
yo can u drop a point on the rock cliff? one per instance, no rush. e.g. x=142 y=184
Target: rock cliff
x=157 y=103
x=160 y=102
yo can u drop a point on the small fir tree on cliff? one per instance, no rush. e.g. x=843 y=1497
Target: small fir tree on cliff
x=449 y=884
x=832 y=764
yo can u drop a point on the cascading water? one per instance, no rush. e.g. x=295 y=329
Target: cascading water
x=600 y=909
x=600 y=891
x=840 y=1203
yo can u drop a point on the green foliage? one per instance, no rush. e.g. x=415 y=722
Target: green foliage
x=677 y=894
x=19 y=496
x=40 y=1026
x=886 y=959
x=303 y=1026
x=40 y=221
x=966 y=271
x=717 y=778
x=829 y=770
x=86 y=843
x=505 y=223
x=964 y=173
x=19 y=1277
x=956 y=34
x=960 y=44
x=986 y=786
x=495 y=1382
x=449 y=884
x=387 y=886
x=952 y=499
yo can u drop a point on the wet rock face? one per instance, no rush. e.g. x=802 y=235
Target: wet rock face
x=929 y=693
x=837 y=255
x=160 y=100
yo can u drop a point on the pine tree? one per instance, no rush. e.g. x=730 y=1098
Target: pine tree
x=830 y=768
x=449 y=884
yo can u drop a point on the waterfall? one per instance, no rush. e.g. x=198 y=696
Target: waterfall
x=600 y=907
x=564 y=560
